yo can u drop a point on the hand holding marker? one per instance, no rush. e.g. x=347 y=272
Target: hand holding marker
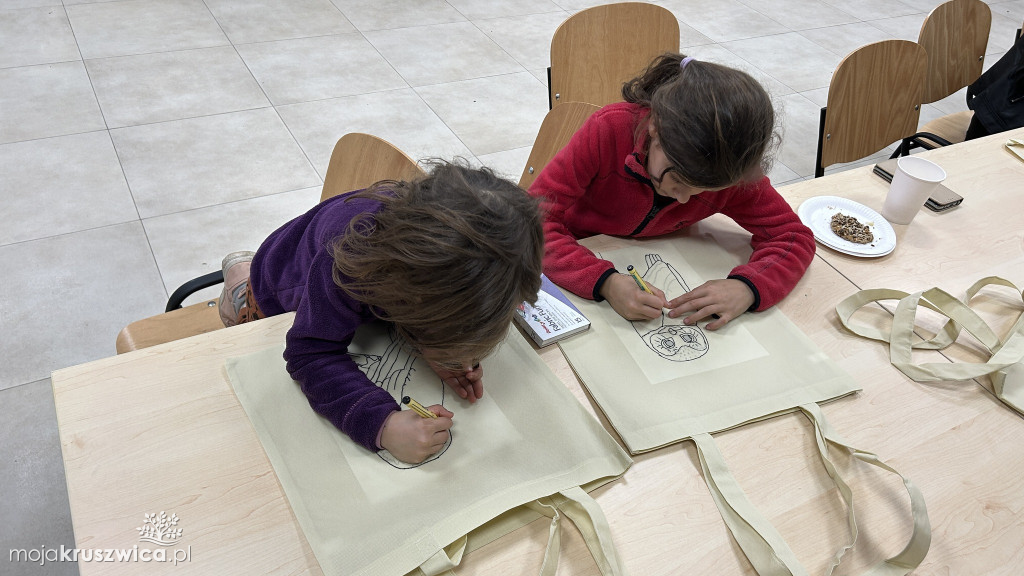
x=643 y=285
x=640 y=282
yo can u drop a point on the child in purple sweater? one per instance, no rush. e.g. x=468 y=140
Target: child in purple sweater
x=424 y=255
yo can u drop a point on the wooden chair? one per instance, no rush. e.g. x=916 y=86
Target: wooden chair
x=874 y=99
x=597 y=49
x=358 y=161
x=955 y=36
x=558 y=127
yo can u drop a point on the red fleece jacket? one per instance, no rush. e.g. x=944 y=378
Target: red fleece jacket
x=598 y=184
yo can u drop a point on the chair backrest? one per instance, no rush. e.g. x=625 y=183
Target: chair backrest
x=360 y=160
x=558 y=127
x=597 y=49
x=955 y=36
x=874 y=99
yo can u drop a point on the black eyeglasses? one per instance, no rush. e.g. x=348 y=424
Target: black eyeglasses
x=657 y=179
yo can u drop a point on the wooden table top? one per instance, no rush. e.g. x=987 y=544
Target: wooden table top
x=984 y=236
x=977 y=238
x=160 y=429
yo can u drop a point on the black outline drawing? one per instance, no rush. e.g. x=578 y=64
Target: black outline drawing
x=392 y=370
x=672 y=340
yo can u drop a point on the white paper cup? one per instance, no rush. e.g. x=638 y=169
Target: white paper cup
x=912 y=183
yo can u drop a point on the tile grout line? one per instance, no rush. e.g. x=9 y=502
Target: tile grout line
x=263 y=90
x=120 y=163
x=513 y=58
x=28 y=383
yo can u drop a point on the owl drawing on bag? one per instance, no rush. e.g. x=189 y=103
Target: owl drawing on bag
x=669 y=337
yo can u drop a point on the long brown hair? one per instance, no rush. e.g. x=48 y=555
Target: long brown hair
x=715 y=123
x=447 y=259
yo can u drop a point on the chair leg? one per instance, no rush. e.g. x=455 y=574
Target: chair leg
x=551 y=102
x=819 y=170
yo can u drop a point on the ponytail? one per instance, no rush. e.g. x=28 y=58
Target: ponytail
x=661 y=71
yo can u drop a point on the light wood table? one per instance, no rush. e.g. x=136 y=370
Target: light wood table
x=160 y=430
x=985 y=234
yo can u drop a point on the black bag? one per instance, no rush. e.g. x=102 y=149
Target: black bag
x=997 y=96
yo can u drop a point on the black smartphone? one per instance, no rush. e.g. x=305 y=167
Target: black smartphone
x=886 y=169
x=941 y=199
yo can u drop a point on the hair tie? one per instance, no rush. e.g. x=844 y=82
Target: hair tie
x=687 y=60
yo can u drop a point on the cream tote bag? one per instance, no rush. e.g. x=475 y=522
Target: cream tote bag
x=507 y=463
x=1005 y=367
x=661 y=382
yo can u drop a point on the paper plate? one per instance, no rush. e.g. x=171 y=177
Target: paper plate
x=816 y=213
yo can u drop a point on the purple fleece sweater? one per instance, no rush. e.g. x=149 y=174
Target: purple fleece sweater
x=293 y=271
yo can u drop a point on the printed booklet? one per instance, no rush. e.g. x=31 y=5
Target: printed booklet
x=552 y=318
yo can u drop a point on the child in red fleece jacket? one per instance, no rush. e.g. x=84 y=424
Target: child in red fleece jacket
x=689 y=141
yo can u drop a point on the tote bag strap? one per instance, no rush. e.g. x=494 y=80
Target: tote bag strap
x=846 y=308
x=765 y=547
x=590 y=520
x=1003 y=366
x=444 y=562
x=920 y=538
x=583 y=511
x=760 y=542
x=576 y=505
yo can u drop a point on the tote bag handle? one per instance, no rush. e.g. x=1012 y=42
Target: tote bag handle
x=1004 y=365
x=444 y=562
x=583 y=511
x=761 y=542
x=576 y=505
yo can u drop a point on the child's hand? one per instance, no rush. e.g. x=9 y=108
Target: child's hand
x=632 y=303
x=728 y=298
x=412 y=438
x=468 y=383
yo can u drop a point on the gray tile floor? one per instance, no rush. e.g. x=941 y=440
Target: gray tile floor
x=141 y=140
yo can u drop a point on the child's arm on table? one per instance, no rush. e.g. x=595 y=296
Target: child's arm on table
x=783 y=249
x=725 y=298
x=411 y=437
x=317 y=357
x=560 y=185
x=632 y=303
